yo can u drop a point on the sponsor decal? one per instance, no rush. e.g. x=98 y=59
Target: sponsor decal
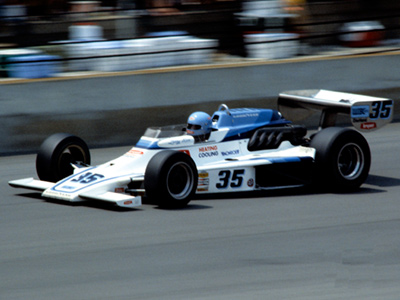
x=230 y=152
x=185 y=151
x=360 y=120
x=203 y=175
x=119 y=190
x=134 y=152
x=128 y=202
x=246 y=115
x=57 y=195
x=368 y=125
x=360 y=111
x=208 y=151
x=202 y=188
x=208 y=154
x=203 y=183
x=179 y=142
x=208 y=148
x=250 y=182
x=174 y=143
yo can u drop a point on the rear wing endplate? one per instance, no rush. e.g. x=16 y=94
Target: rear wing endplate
x=366 y=113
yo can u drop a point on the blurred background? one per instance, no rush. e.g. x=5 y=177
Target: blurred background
x=42 y=38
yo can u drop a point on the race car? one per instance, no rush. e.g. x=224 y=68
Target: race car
x=234 y=150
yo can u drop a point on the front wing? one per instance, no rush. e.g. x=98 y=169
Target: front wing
x=119 y=199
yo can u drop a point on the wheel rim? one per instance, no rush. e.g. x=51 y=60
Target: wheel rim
x=180 y=181
x=71 y=154
x=351 y=161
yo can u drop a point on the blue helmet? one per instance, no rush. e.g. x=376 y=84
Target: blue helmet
x=199 y=124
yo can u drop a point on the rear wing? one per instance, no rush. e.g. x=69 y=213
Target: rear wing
x=366 y=113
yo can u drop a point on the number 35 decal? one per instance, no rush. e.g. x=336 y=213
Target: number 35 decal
x=87 y=178
x=381 y=109
x=230 y=179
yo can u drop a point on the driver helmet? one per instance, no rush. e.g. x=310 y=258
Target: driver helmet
x=199 y=124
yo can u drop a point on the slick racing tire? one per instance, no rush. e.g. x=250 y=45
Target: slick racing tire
x=170 y=179
x=57 y=152
x=342 y=159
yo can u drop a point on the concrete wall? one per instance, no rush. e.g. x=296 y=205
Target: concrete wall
x=115 y=109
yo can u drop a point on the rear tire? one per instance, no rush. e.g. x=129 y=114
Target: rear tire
x=57 y=152
x=342 y=158
x=170 y=179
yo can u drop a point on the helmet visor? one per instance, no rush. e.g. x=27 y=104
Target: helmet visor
x=193 y=126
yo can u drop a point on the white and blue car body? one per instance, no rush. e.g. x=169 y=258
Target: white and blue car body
x=248 y=149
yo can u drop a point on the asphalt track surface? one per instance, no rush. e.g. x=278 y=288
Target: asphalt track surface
x=283 y=245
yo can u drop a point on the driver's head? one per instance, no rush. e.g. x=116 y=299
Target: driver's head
x=199 y=124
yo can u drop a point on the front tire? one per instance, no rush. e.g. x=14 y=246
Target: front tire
x=57 y=152
x=342 y=158
x=170 y=179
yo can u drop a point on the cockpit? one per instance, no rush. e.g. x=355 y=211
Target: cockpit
x=226 y=124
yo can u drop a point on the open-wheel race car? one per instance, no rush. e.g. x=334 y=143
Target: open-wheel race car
x=234 y=150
